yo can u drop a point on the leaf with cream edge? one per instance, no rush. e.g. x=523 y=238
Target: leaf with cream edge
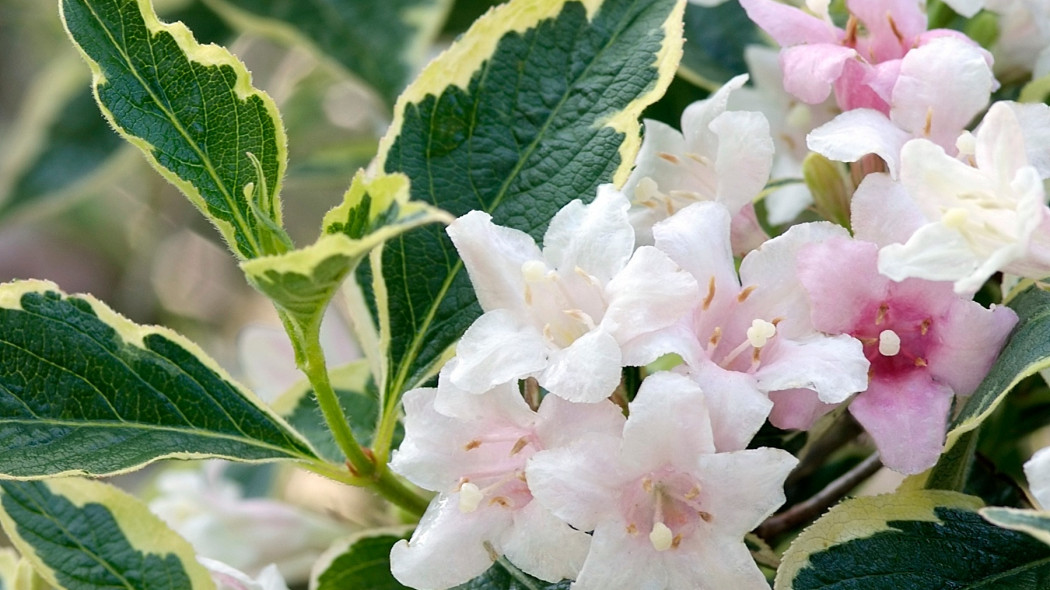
x=1033 y=522
x=504 y=123
x=927 y=539
x=85 y=391
x=1026 y=352
x=81 y=535
x=361 y=561
x=302 y=282
x=381 y=43
x=193 y=112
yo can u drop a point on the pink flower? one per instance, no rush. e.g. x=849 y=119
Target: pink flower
x=667 y=511
x=861 y=67
x=472 y=450
x=925 y=345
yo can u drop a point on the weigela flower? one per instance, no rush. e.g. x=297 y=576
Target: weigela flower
x=937 y=90
x=749 y=337
x=720 y=155
x=925 y=345
x=861 y=68
x=472 y=450
x=667 y=511
x=571 y=315
x=975 y=217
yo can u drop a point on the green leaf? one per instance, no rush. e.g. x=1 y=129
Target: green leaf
x=1035 y=523
x=536 y=105
x=352 y=385
x=504 y=576
x=362 y=561
x=929 y=539
x=715 y=39
x=302 y=282
x=382 y=43
x=85 y=535
x=1026 y=353
x=85 y=391
x=193 y=112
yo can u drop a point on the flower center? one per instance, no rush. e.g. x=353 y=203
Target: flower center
x=897 y=339
x=565 y=307
x=502 y=484
x=666 y=506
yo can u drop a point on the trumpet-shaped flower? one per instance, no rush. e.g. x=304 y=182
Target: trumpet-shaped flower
x=572 y=315
x=982 y=218
x=667 y=511
x=720 y=155
x=925 y=345
x=749 y=337
x=861 y=63
x=472 y=450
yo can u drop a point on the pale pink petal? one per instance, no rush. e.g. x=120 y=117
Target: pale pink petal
x=908 y=20
x=493 y=256
x=561 y=422
x=587 y=371
x=854 y=134
x=1000 y=146
x=811 y=70
x=942 y=86
x=545 y=547
x=651 y=293
x=619 y=560
x=1035 y=124
x=745 y=486
x=790 y=26
x=597 y=237
x=797 y=409
x=498 y=347
x=501 y=403
x=447 y=547
x=426 y=457
x=715 y=562
x=840 y=277
x=738 y=408
x=907 y=418
x=882 y=212
x=772 y=268
x=854 y=86
x=698 y=117
x=668 y=422
x=659 y=138
x=745 y=232
x=578 y=483
x=935 y=253
x=745 y=157
x=969 y=340
x=679 y=339
x=697 y=238
x=833 y=366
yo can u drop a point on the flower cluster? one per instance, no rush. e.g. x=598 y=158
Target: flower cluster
x=538 y=448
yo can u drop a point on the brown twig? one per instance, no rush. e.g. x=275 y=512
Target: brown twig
x=824 y=499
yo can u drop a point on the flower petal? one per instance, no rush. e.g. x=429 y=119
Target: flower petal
x=651 y=293
x=586 y=371
x=833 y=366
x=498 y=347
x=597 y=237
x=545 y=547
x=493 y=256
x=853 y=134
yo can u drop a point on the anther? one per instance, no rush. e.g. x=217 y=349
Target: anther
x=518 y=446
x=928 y=125
x=745 y=293
x=668 y=157
x=889 y=343
x=924 y=327
x=880 y=315
x=920 y=362
x=710 y=294
x=893 y=27
x=470 y=446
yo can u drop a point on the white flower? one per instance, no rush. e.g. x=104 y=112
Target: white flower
x=719 y=155
x=228 y=578
x=247 y=533
x=472 y=450
x=983 y=218
x=1037 y=470
x=568 y=315
x=667 y=512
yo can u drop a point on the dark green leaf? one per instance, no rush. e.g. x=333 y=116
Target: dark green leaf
x=365 y=563
x=533 y=107
x=192 y=111
x=1026 y=352
x=715 y=39
x=382 y=43
x=504 y=576
x=84 y=535
x=83 y=390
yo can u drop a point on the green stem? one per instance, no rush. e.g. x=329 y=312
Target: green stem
x=394 y=489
